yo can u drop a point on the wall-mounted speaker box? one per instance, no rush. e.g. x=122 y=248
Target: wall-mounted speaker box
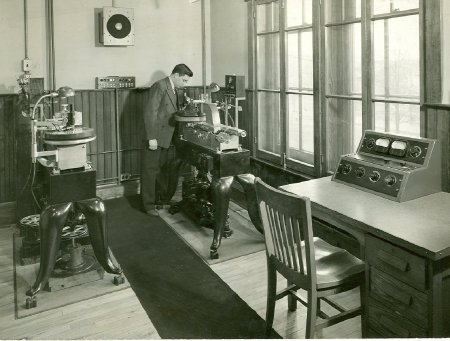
x=116 y=26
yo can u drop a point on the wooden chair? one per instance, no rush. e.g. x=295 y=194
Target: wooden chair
x=307 y=262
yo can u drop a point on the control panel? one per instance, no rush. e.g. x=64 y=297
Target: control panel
x=234 y=86
x=396 y=167
x=115 y=82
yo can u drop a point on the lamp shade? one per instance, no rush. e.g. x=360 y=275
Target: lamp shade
x=214 y=87
x=66 y=91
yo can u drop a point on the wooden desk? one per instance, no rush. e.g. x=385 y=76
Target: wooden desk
x=406 y=247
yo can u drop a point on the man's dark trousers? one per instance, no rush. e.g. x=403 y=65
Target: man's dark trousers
x=159 y=175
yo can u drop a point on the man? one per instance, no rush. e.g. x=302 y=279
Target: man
x=159 y=152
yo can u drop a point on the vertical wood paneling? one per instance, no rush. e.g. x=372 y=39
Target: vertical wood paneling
x=3 y=151
x=100 y=135
x=92 y=121
x=84 y=108
x=125 y=111
x=7 y=179
x=108 y=117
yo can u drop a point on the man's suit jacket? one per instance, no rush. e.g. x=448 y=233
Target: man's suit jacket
x=158 y=113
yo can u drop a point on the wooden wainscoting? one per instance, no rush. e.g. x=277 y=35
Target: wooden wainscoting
x=7 y=147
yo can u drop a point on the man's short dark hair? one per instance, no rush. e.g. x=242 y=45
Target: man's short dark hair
x=182 y=70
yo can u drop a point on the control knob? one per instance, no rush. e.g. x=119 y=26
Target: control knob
x=375 y=176
x=415 y=151
x=346 y=168
x=390 y=180
x=360 y=172
x=370 y=143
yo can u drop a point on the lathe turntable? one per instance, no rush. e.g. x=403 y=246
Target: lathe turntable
x=395 y=167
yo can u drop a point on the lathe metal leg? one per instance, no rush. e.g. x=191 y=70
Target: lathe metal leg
x=221 y=199
x=95 y=214
x=51 y=224
x=247 y=181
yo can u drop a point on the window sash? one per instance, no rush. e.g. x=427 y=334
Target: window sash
x=363 y=100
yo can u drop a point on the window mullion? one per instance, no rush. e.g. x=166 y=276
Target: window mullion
x=283 y=82
x=320 y=138
x=368 y=120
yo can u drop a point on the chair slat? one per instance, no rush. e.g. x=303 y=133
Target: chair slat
x=290 y=241
x=285 y=238
x=279 y=230
x=274 y=232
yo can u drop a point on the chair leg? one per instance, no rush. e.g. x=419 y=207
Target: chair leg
x=292 y=301
x=271 y=295
x=311 y=314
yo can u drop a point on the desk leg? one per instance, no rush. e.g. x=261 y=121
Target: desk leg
x=95 y=213
x=51 y=223
x=221 y=200
x=247 y=181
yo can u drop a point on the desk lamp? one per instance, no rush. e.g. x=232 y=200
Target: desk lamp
x=62 y=92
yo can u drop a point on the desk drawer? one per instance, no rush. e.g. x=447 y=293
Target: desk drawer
x=398 y=297
x=387 y=324
x=336 y=237
x=397 y=262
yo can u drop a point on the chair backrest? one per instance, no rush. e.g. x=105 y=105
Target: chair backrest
x=286 y=219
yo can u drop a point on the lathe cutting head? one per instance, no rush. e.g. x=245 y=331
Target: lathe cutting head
x=210 y=132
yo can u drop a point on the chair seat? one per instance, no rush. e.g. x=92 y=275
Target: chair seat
x=335 y=265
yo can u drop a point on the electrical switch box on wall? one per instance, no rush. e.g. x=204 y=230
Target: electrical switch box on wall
x=26 y=65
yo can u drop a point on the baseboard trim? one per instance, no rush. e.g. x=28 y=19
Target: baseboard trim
x=118 y=190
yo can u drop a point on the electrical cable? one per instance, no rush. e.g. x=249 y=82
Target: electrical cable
x=26 y=182
x=32 y=184
x=231 y=118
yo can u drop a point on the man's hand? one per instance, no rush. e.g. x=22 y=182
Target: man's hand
x=152 y=144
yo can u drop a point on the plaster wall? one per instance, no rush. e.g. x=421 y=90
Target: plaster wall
x=167 y=32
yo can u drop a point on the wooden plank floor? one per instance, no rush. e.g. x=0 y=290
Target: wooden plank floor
x=117 y=315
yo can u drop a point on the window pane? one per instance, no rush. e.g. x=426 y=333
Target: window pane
x=298 y=12
x=269 y=61
x=301 y=128
x=299 y=70
x=343 y=129
x=343 y=53
x=267 y=17
x=396 y=118
x=341 y=10
x=269 y=122
x=396 y=57
x=389 y=6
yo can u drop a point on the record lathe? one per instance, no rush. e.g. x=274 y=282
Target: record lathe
x=70 y=208
x=395 y=167
x=214 y=149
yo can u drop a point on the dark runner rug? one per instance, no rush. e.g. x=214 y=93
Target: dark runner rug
x=182 y=296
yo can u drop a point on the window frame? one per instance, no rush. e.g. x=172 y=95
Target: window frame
x=429 y=14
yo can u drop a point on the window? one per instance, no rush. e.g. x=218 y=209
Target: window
x=327 y=70
x=343 y=75
x=396 y=66
x=284 y=59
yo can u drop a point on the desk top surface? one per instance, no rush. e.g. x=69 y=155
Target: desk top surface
x=422 y=225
